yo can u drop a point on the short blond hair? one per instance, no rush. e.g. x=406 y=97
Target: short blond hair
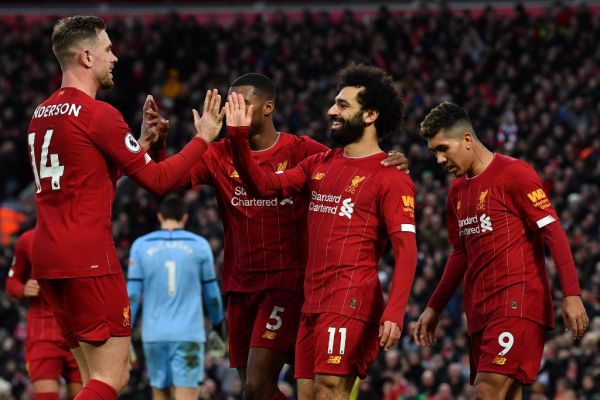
x=70 y=31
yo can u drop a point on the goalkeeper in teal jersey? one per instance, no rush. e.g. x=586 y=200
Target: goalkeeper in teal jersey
x=172 y=271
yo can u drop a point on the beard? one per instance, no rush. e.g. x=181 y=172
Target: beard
x=106 y=82
x=255 y=128
x=351 y=130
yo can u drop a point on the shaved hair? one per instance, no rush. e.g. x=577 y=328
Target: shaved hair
x=448 y=118
x=69 y=32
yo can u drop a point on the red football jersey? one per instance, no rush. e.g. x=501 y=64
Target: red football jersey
x=264 y=246
x=79 y=147
x=41 y=324
x=497 y=218
x=355 y=204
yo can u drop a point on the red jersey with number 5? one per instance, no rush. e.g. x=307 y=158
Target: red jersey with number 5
x=78 y=147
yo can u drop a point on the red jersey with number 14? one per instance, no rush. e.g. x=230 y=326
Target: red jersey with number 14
x=41 y=324
x=78 y=147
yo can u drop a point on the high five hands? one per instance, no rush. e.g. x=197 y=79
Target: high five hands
x=209 y=124
x=236 y=113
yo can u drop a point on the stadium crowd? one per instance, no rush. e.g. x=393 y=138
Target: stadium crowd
x=531 y=86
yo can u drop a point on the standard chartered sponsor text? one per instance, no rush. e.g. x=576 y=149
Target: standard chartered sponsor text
x=324 y=198
x=240 y=199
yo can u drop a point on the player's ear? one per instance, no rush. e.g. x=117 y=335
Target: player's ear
x=268 y=107
x=369 y=116
x=184 y=219
x=160 y=217
x=468 y=140
x=85 y=58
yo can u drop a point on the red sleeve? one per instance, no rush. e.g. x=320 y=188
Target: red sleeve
x=257 y=181
x=455 y=269
x=201 y=173
x=529 y=199
x=158 y=155
x=534 y=207
x=558 y=243
x=451 y=219
x=164 y=176
x=20 y=270
x=311 y=146
x=111 y=134
x=397 y=202
x=405 y=256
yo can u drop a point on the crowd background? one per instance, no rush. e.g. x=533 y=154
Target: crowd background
x=529 y=81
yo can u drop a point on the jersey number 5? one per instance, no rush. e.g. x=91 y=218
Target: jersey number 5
x=54 y=170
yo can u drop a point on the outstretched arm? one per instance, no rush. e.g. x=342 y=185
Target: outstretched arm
x=257 y=181
x=175 y=171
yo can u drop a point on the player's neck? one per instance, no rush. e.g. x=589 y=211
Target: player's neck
x=264 y=139
x=482 y=159
x=171 y=225
x=80 y=82
x=366 y=146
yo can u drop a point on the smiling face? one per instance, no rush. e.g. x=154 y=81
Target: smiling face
x=452 y=151
x=104 y=60
x=347 y=117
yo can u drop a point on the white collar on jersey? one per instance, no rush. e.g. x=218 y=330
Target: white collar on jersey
x=368 y=155
x=270 y=147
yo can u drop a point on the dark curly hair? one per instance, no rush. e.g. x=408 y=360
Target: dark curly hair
x=380 y=94
x=444 y=118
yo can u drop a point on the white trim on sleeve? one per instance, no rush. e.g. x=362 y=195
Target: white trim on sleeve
x=408 y=228
x=548 y=219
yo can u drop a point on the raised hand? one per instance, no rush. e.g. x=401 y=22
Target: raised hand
x=236 y=112
x=209 y=125
x=425 y=331
x=154 y=127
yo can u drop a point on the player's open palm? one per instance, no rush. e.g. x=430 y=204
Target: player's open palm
x=236 y=112
x=209 y=125
x=574 y=316
x=424 y=334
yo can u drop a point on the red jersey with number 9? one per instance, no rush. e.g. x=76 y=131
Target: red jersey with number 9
x=78 y=147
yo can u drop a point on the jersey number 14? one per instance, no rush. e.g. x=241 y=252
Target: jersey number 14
x=54 y=170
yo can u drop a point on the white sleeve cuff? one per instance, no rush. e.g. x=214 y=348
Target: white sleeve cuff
x=408 y=228
x=545 y=221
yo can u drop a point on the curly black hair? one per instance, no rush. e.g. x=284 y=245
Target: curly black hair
x=380 y=94
x=444 y=118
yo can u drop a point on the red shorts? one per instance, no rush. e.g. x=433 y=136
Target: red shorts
x=51 y=360
x=508 y=346
x=267 y=319
x=333 y=344
x=89 y=309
